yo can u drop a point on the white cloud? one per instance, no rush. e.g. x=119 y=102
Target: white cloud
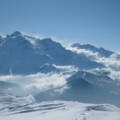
x=3 y=36
x=83 y=51
x=47 y=81
x=67 y=68
x=38 y=82
x=112 y=65
x=111 y=61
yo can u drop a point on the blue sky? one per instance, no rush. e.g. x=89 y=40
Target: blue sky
x=86 y=21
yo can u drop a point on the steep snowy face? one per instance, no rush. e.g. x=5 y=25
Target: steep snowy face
x=101 y=51
x=18 y=54
x=54 y=50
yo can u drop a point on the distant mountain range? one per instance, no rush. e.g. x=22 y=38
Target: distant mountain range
x=23 y=54
x=101 y=51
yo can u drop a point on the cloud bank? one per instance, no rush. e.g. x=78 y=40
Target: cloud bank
x=35 y=83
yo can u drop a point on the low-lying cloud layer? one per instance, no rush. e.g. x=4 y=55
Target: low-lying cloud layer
x=35 y=83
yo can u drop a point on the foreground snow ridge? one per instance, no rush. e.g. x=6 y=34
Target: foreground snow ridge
x=59 y=110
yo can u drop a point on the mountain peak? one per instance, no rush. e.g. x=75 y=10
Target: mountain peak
x=16 y=33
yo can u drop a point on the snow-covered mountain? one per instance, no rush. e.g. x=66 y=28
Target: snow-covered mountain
x=92 y=88
x=101 y=51
x=41 y=78
x=19 y=54
x=84 y=87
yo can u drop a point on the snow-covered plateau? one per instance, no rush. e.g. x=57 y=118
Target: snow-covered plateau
x=59 y=110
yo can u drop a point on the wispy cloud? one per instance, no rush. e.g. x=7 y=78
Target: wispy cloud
x=37 y=82
x=112 y=65
x=67 y=68
x=83 y=51
x=112 y=61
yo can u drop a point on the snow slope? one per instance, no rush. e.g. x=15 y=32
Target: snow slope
x=62 y=110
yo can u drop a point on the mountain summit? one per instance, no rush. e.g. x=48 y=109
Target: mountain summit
x=16 y=33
